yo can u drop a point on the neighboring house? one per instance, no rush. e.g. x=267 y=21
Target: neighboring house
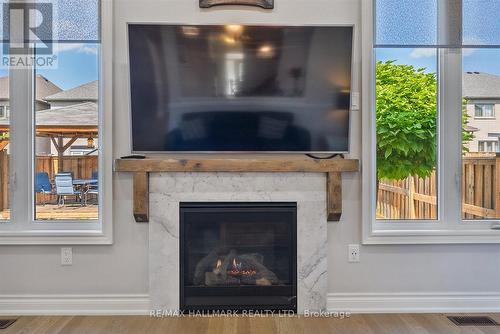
x=44 y=87
x=482 y=93
x=50 y=99
x=85 y=93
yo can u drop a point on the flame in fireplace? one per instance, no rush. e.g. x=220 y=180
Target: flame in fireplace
x=219 y=264
x=236 y=265
x=237 y=269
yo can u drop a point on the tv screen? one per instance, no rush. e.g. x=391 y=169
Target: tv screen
x=233 y=88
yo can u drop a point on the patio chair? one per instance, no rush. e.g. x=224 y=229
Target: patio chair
x=42 y=184
x=92 y=189
x=64 y=187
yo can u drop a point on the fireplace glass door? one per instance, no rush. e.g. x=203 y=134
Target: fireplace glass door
x=237 y=256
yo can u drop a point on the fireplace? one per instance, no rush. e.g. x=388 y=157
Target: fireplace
x=238 y=256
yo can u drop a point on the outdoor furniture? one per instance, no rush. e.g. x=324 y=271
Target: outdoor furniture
x=87 y=187
x=64 y=187
x=92 y=189
x=42 y=184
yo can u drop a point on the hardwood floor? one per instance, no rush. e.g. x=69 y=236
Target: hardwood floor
x=362 y=324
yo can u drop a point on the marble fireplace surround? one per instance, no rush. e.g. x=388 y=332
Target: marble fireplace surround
x=167 y=190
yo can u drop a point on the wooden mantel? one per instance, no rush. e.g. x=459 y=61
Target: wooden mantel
x=332 y=167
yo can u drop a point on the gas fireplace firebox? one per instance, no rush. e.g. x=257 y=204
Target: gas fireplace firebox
x=238 y=256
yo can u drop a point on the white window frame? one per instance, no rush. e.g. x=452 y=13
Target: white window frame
x=22 y=228
x=448 y=228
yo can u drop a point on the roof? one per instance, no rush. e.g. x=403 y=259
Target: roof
x=481 y=85
x=85 y=92
x=44 y=88
x=83 y=115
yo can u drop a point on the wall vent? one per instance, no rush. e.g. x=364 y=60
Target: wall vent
x=473 y=321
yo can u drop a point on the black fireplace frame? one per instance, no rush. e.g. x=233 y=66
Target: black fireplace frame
x=200 y=207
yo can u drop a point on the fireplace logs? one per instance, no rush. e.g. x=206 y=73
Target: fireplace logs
x=231 y=268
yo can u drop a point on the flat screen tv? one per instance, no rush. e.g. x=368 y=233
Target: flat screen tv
x=234 y=88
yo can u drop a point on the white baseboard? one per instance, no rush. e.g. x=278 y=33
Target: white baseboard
x=139 y=304
x=133 y=304
x=414 y=302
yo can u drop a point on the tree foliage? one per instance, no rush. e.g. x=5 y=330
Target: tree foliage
x=406 y=118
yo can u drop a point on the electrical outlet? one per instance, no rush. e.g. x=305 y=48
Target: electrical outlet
x=353 y=255
x=66 y=256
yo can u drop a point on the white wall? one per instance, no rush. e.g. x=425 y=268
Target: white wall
x=122 y=268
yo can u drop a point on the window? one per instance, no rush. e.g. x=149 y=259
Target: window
x=58 y=197
x=487 y=146
x=432 y=77
x=406 y=131
x=484 y=110
x=4 y=110
x=66 y=115
x=481 y=80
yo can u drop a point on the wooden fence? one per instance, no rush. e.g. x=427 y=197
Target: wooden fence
x=81 y=167
x=415 y=198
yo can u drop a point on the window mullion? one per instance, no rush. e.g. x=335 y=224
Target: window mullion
x=21 y=99
x=450 y=132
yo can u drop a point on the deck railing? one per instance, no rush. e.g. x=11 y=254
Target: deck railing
x=416 y=198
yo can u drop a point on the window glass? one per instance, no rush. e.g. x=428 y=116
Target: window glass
x=66 y=145
x=75 y=21
x=481 y=22
x=66 y=185
x=406 y=22
x=481 y=94
x=484 y=110
x=406 y=124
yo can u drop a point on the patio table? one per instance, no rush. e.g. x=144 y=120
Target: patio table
x=84 y=183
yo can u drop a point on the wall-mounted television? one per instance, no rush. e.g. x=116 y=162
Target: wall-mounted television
x=240 y=88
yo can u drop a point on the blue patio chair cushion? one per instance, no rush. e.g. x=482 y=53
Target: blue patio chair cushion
x=42 y=182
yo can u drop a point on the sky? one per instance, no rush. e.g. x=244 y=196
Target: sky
x=77 y=65
x=73 y=21
x=474 y=60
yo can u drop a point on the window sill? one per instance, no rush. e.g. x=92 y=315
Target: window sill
x=37 y=237
x=424 y=237
x=485 y=118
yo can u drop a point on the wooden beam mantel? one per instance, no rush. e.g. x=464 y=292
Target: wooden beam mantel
x=332 y=167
